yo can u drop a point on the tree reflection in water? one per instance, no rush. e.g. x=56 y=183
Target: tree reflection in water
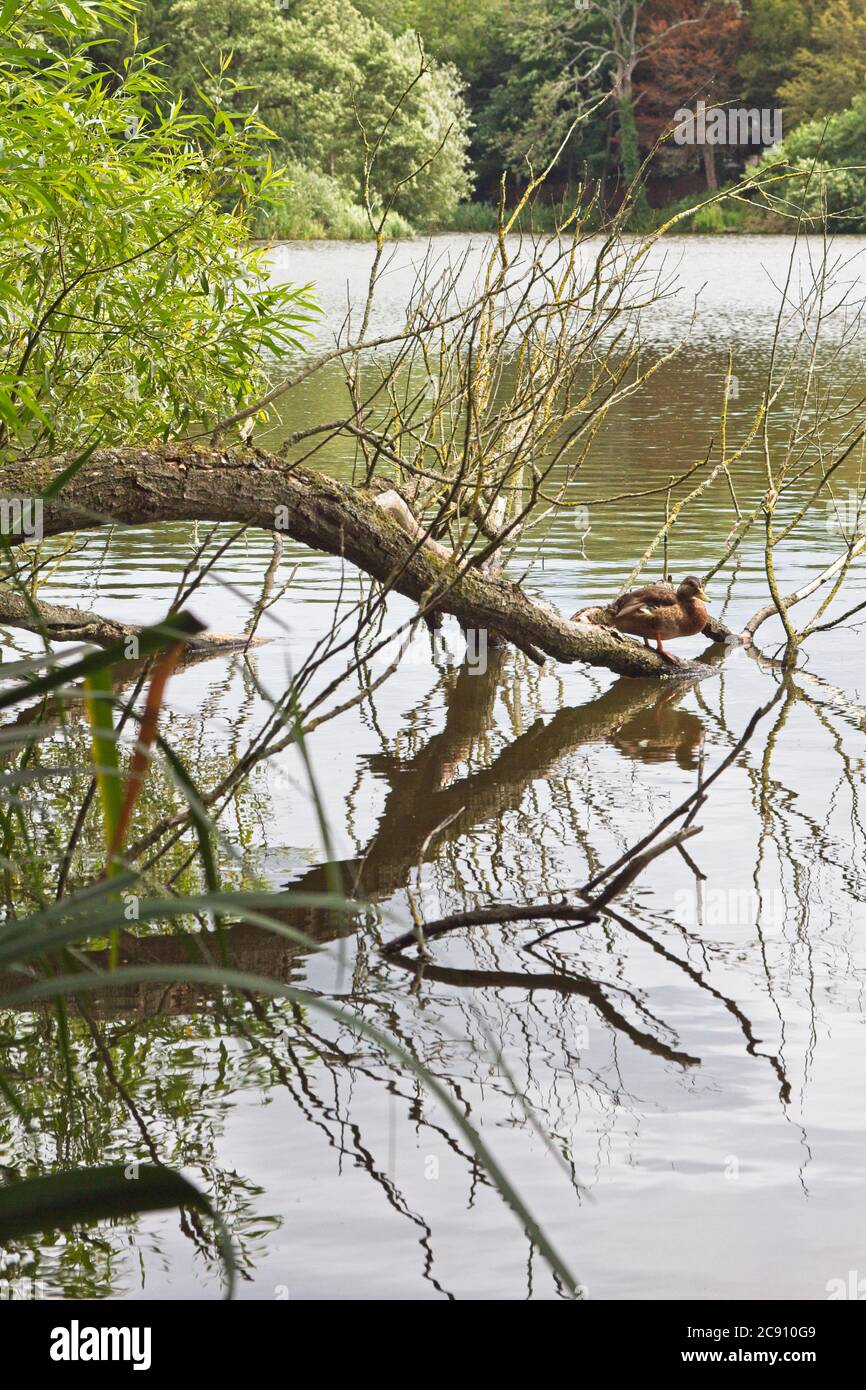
x=157 y=1069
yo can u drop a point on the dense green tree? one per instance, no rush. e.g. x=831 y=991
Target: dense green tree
x=829 y=153
x=131 y=301
x=831 y=70
x=318 y=71
x=777 y=29
x=522 y=87
x=455 y=31
x=528 y=88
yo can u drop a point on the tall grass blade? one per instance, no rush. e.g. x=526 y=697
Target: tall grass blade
x=98 y=706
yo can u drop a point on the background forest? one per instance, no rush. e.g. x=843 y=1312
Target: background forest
x=504 y=83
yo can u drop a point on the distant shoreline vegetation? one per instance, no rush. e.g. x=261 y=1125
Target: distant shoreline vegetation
x=344 y=221
x=419 y=105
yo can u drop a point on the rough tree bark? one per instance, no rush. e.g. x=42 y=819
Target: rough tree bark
x=138 y=486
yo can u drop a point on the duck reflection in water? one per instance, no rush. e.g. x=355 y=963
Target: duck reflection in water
x=662 y=732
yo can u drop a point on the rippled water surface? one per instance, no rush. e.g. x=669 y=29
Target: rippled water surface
x=699 y=1066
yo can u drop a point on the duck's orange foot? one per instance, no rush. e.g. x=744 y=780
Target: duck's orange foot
x=668 y=656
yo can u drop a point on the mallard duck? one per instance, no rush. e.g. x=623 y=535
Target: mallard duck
x=660 y=611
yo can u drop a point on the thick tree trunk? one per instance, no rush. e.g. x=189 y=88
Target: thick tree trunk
x=186 y=482
x=710 y=167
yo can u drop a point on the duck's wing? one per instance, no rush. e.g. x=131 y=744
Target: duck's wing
x=652 y=599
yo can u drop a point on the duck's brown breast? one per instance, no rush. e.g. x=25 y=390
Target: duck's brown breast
x=693 y=618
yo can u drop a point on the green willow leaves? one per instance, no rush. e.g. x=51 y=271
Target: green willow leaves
x=131 y=301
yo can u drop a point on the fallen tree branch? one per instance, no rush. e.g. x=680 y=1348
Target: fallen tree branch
x=172 y=483
x=63 y=624
x=58 y=622
x=770 y=609
x=531 y=912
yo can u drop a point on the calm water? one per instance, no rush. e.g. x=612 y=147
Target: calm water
x=700 y=1067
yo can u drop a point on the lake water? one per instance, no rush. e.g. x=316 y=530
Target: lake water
x=699 y=1066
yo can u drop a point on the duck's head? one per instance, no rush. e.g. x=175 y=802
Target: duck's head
x=690 y=589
